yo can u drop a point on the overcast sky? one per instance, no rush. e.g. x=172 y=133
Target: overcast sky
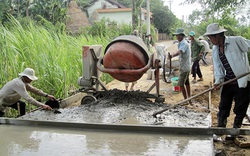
x=181 y=11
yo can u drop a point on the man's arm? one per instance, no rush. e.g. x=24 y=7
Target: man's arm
x=21 y=90
x=39 y=92
x=175 y=54
x=202 y=48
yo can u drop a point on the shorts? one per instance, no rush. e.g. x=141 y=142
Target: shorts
x=183 y=79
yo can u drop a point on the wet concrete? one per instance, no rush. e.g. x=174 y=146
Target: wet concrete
x=41 y=141
x=121 y=107
x=117 y=107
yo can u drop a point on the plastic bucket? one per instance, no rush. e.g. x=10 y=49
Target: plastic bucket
x=175 y=86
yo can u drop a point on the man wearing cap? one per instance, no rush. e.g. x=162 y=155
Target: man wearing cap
x=184 y=57
x=197 y=49
x=14 y=90
x=230 y=60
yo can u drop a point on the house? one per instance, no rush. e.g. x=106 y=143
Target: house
x=113 y=11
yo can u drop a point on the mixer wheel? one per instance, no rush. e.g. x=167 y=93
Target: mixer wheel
x=88 y=99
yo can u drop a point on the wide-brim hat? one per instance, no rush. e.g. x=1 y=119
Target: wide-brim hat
x=213 y=29
x=179 y=31
x=30 y=73
x=201 y=38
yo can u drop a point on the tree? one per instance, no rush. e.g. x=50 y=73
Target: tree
x=136 y=12
x=52 y=10
x=163 y=19
x=4 y=7
x=83 y=4
x=126 y=3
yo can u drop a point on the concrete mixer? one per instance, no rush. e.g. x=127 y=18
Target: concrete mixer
x=126 y=59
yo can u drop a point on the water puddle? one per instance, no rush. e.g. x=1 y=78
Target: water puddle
x=40 y=141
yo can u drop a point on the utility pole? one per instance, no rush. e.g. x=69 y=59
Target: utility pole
x=182 y=23
x=140 y=25
x=133 y=14
x=148 y=17
x=170 y=3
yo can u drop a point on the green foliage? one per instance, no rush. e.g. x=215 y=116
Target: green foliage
x=163 y=20
x=106 y=78
x=126 y=3
x=108 y=29
x=56 y=57
x=83 y=4
x=246 y=32
x=52 y=10
x=4 y=7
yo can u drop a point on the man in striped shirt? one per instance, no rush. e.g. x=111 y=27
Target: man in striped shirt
x=230 y=60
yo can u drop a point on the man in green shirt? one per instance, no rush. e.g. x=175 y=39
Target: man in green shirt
x=197 y=49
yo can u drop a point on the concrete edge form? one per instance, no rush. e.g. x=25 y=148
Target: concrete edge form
x=129 y=128
x=72 y=99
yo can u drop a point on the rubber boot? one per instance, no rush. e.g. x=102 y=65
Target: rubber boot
x=222 y=122
x=237 y=123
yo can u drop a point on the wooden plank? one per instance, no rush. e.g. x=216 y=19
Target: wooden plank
x=72 y=99
x=129 y=128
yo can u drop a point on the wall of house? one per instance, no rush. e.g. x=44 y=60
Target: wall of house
x=98 y=5
x=119 y=17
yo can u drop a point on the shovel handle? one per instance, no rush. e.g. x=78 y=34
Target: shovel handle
x=205 y=91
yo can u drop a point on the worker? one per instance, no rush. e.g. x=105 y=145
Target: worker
x=197 y=50
x=230 y=60
x=14 y=90
x=149 y=41
x=136 y=33
x=207 y=49
x=184 y=58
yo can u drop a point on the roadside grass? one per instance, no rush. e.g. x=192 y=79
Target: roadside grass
x=55 y=57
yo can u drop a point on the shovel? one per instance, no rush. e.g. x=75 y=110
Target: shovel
x=53 y=104
x=164 y=69
x=184 y=102
x=54 y=110
x=170 y=68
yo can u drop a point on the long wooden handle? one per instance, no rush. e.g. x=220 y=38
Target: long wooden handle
x=205 y=91
x=170 y=65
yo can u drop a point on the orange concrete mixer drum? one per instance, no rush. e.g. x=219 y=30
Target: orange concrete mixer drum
x=126 y=58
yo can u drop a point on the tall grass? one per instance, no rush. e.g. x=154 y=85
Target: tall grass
x=56 y=58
